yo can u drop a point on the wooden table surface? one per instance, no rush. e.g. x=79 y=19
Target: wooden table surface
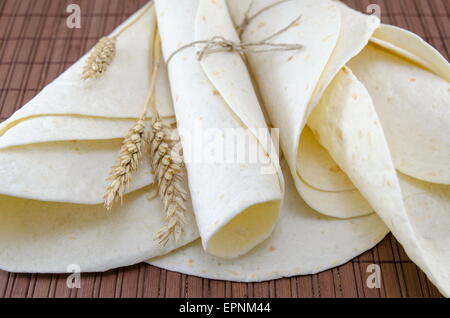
x=36 y=46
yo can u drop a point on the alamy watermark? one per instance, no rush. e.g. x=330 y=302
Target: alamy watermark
x=74 y=19
x=374 y=9
x=244 y=146
x=74 y=279
x=374 y=279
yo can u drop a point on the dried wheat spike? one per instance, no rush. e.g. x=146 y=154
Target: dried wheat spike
x=127 y=163
x=101 y=57
x=168 y=167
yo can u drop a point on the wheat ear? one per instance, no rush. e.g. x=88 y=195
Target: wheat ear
x=127 y=163
x=104 y=52
x=168 y=168
x=131 y=152
x=101 y=57
x=167 y=165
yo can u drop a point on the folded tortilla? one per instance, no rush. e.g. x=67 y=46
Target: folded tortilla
x=411 y=96
x=45 y=237
x=350 y=122
x=331 y=35
x=416 y=213
x=121 y=94
x=58 y=131
x=55 y=156
x=236 y=204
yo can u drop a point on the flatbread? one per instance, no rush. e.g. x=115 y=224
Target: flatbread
x=304 y=242
x=361 y=150
x=55 y=156
x=412 y=102
x=120 y=94
x=292 y=83
x=44 y=237
x=236 y=204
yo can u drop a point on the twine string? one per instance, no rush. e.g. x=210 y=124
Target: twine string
x=221 y=44
x=248 y=19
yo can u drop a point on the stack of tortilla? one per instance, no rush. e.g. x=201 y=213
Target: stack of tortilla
x=364 y=125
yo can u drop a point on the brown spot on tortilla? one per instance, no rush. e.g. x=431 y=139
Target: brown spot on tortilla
x=412 y=80
x=290 y=58
x=191 y=261
x=389 y=99
x=339 y=134
x=216 y=92
x=377 y=88
x=204 y=18
x=449 y=89
x=271 y=249
x=355 y=96
x=334 y=169
x=328 y=38
x=262 y=24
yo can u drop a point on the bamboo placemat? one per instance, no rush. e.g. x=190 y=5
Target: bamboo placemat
x=36 y=46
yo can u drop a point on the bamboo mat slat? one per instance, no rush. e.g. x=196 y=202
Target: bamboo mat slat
x=36 y=46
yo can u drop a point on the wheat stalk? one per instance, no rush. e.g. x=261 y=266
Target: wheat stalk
x=131 y=152
x=166 y=164
x=127 y=163
x=104 y=52
x=168 y=168
x=100 y=58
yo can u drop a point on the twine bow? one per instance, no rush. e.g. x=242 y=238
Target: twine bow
x=221 y=44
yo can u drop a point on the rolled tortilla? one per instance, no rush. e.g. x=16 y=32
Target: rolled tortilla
x=304 y=242
x=236 y=204
x=292 y=83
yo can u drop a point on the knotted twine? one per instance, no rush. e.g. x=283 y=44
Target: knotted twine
x=221 y=44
